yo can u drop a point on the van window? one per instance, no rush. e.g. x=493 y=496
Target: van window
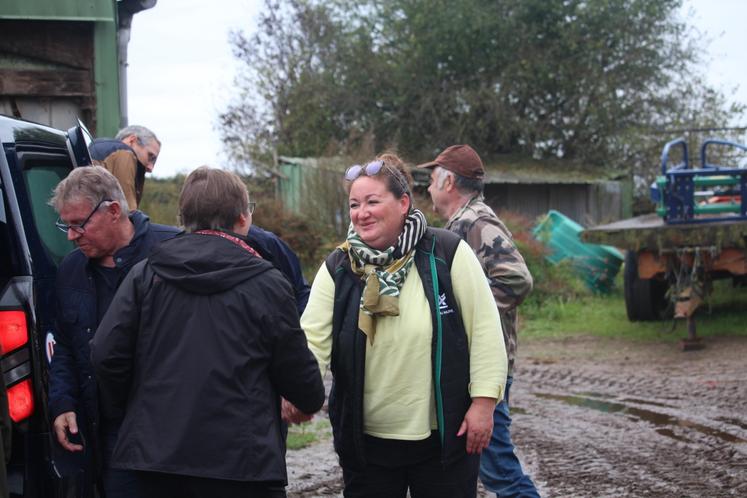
x=41 y=179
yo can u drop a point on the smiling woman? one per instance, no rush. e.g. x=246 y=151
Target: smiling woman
x=427 y=388
x=378 y=216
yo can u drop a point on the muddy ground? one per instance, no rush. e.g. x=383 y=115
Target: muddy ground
x=607 y=418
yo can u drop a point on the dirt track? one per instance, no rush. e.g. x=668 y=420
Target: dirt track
x=608 y=418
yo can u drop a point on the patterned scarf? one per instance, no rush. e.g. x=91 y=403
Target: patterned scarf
x=384 y=271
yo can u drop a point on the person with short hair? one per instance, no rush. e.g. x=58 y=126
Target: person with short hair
x=404 y=316
x=201 y=343
x=110 y=240
x=456 y=191
x=128 y=156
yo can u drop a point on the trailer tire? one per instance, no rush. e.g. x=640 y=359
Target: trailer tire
x=645 y=299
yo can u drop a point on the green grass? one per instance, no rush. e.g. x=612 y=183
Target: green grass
x=604 y=316
x=308 y=433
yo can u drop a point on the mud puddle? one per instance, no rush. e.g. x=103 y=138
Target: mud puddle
x=610 y=418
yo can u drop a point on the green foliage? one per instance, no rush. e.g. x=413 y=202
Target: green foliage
x=308 y=433
x=161 y=199
x=585 y=80
x=308 y=239
x=552 y=283
x=604 y=316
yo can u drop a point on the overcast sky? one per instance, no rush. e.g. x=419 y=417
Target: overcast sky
x=181 y=69
x=180 y=75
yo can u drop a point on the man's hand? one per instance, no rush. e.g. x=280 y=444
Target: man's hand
x=478 y=424
x=293 y=415
x=64 y=423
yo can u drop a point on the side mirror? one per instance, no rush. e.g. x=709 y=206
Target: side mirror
x=78 y=140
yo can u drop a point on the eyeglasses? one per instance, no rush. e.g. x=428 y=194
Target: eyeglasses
x=152 y=158
x=374 y=168
x=251 y=207
x=81 y=229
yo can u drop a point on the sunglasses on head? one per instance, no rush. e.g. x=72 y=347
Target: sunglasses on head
x=372 y=169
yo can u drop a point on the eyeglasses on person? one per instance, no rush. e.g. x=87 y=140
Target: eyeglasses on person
x=80 y=228
x=251 y=207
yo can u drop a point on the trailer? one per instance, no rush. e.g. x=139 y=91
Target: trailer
x=698 y=234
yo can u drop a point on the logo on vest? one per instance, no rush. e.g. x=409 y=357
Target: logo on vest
x=443 y=306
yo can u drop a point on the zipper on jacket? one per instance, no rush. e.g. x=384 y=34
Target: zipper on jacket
x=439 y=345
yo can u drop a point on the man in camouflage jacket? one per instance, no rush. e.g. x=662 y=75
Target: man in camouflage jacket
x=456 y=191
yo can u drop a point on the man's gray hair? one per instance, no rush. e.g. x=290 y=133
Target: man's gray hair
x=143 y=134
x=91 y=183
x=462 y=183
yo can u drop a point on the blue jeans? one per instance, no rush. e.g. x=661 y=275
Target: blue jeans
x=500 y=469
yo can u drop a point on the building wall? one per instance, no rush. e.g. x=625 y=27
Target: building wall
x=588 y=203
x=59 y=62
x=313 y=189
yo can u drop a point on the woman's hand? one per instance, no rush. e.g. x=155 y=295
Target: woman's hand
x=478 y=424
x=291 y=414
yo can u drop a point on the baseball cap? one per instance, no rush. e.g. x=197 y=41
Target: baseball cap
x=459 y=159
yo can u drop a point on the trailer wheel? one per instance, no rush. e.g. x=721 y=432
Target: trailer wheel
x=645 y=299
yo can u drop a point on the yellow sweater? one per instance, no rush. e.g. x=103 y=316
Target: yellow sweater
x=398 y=396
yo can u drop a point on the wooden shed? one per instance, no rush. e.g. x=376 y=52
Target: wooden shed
x=314 y=187
x=533 y=187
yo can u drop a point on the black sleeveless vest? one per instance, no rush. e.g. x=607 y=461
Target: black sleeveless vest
x=449 y=352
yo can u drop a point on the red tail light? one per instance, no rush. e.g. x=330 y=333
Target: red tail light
x=21 y=400
x=14 y=334
x=13 y=331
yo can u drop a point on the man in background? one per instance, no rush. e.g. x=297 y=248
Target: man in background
x=456 y=191
x=128 y=156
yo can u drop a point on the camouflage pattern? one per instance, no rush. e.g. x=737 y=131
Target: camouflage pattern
x=507 y=273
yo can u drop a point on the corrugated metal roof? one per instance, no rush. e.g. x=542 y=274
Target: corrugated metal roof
x=58 y=10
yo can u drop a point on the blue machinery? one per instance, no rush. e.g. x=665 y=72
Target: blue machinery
x=711 y=193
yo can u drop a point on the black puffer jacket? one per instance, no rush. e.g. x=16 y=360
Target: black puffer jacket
x=199 y=344
x=71 y=381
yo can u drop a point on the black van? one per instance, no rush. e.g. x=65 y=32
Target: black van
x=33 y=161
